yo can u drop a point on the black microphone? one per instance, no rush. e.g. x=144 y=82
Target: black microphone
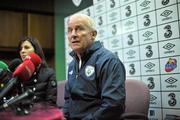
x=17 y=99
x=6 y=75
x=6 y=71
x=22 y=73
x=14 y=64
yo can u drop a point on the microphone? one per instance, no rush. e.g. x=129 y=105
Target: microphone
x=3 y=74
x=6 y=71
x=17 y=99
x=23 y=72
x=6 y=74
x=3 y=67
x=34 y=58
x=14 y=63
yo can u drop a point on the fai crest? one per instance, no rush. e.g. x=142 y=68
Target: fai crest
x=76 y=2
x=89 y=70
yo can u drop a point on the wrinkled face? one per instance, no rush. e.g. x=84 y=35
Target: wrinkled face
x=26 y=49
x=80 y=35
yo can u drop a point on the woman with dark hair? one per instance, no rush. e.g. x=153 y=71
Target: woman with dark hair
x=43 y=82
x=41 y=102
x=35 y=44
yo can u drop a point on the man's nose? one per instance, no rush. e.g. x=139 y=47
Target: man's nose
x=73 y=33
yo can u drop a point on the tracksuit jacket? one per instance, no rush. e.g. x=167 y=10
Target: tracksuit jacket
x=96 y=90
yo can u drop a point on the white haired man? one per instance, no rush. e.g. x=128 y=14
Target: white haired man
x=95 y=89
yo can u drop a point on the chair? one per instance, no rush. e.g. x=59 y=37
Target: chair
x=137 y=100
x=60 y=93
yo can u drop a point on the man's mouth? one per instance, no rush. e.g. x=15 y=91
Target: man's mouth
x=75 y=41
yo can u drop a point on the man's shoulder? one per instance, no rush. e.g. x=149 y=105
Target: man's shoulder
x=106 y=54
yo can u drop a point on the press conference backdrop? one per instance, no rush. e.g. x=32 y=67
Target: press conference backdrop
x=145 y=34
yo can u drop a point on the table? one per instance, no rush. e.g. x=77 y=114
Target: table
x=39 y=112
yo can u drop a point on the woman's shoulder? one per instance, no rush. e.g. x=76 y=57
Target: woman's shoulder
x=46 y=70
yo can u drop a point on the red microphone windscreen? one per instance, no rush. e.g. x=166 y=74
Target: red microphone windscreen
x=25 y=70
x=34 y=58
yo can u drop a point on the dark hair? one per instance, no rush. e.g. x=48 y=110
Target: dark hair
x=37 y=47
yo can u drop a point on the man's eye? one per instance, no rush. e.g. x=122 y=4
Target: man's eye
x=79 y=29
x=69 y=30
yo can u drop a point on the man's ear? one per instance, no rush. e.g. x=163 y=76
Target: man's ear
x=94 y=33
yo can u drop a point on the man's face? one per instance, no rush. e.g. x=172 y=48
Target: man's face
x=80 y=35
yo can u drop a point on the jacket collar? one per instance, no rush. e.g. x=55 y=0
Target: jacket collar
x=95 y=46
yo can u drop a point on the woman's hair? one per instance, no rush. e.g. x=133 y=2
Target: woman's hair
x=36 y=45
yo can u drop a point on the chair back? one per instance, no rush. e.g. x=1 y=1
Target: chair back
x=60 y=93
x=137 y=97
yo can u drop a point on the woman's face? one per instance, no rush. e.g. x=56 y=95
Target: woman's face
x=26 y=49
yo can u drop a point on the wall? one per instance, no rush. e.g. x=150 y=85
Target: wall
x=62 y=10
x=16 y=24
x=145 y=34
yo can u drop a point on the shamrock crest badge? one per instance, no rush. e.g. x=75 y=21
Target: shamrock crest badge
x=89 y=70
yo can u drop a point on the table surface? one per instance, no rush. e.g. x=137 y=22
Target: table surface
x=39 y=112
